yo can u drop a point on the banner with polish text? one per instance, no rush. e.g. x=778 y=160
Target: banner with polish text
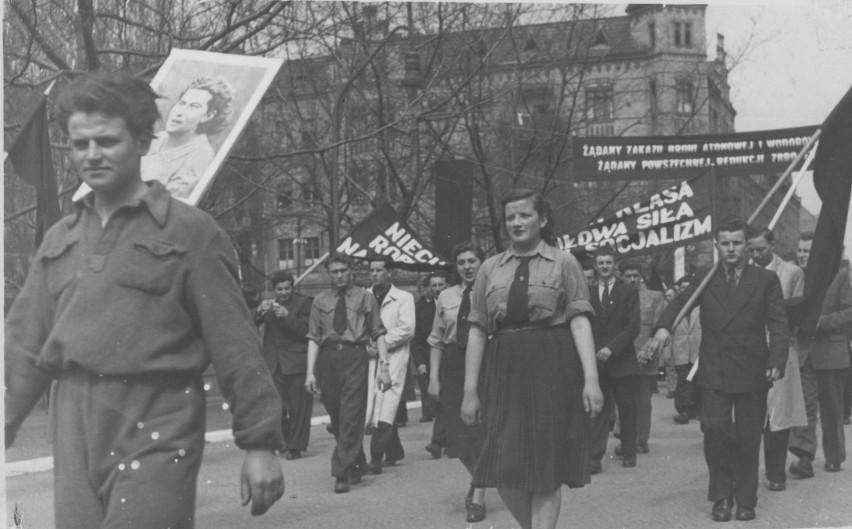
x=676 y=216
x=382 y=232
x=652 y=157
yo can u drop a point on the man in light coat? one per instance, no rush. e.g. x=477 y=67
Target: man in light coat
x=785 y=401
x=682 y=353
x=398 y=317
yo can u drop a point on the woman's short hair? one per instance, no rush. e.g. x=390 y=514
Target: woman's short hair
x=467 y=246
x=541 y=206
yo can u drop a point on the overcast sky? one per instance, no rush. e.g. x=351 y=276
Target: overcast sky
x=797 y=68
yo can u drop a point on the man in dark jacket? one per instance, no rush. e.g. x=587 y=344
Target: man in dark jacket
x=285 y=350
x=740 y=307
x=615 y=326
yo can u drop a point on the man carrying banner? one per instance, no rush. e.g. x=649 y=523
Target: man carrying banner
x=398 y=318
x=343 y=321
x=736 y=366
x=823 y=363
x=127 y=302
x=785 y=402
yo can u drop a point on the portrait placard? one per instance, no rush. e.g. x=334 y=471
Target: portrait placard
x=206 y=99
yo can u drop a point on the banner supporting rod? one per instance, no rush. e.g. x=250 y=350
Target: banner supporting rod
x=311 y=268
x=706 y=281
x=796 y=181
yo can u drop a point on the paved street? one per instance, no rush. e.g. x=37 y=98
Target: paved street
x=667 y=489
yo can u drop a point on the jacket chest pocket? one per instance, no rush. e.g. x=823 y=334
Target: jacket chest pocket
x=60 y=266
x=153 y=266
x=544 y=294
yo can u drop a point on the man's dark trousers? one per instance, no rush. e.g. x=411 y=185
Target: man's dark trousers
x=775 y=453
x=686 y=395
x=342 y=379
x=732 y=448
x=296 y=414
x=623 y=392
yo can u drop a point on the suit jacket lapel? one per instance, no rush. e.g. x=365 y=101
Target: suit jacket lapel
x=736 y=301
x=614 y=291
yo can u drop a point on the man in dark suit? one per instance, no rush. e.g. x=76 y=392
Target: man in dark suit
x=615 y=326
x=285 y=349
x=823 y=364
x=740 y=307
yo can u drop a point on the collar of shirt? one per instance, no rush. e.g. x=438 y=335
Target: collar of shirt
x=542 y=249
x=156 y=200
x=738 y=271
x=610 y=284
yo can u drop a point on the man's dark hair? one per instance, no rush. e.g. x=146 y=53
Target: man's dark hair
x=807 y=236
x=631 y=265
x=438 y=273
x=766 y=233
x=115 y=95
x=221 y=102
x=604 y=250
x=541 y=206
x=390 y=264
x=684 y=279
x=467 y=246
x=340 y=258
x=282 y=276
x=731 y=225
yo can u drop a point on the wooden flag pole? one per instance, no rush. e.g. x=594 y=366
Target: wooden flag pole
x=807 y=149
x=796 y=181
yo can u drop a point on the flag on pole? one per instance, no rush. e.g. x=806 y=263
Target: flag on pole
x=833 y=184
x=30 y=154
x=383 y=232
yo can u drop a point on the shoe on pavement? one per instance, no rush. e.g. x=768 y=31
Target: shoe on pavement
x=642 y=447
x=777 y=486
x=617 y=452
x=290 y=455
x=426 y=418
x=476 y=512
x=388 y=462
x=434 y=450
x=629 y=462
x=832 y=467
x=375 y=466
x=341 y=486
x=681 y=418
x=745 y=514
x=722 y=510
x=802 y=469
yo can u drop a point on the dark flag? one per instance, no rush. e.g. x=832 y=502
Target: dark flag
x=383 y=232
x=30 y=154
x=833 y=183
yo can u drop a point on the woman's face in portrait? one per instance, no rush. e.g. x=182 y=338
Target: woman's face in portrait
x=190 y=111
x=523 y=223
x=467 y=265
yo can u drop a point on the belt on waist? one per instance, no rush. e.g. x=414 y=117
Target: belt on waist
x=528 y=326
x=340 y=345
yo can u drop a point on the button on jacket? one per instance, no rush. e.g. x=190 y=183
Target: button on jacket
x=557 y=288
x=154 y=291
x=363 y=318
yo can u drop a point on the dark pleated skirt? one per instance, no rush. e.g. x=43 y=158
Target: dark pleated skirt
x=463 y=441
x=537 y=434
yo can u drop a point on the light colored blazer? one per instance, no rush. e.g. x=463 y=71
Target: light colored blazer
x=686 y=340
x=398 y=317
x=785 y=403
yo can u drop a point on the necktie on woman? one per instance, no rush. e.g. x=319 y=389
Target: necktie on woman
x=462 y=325
x=517 y=304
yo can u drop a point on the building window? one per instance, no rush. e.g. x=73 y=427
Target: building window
x=311 y=249
x=286 y=253
x=652 y=34
x=599 y=104
x=285 y=194
x=683 y=34
x=684 y=96
x=308 y=194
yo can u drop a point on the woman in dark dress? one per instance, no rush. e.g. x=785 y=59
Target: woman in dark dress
x=540 y=381
x=446 y=381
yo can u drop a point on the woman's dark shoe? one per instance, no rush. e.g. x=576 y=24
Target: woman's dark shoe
x=468 y=499
x=476 y=512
